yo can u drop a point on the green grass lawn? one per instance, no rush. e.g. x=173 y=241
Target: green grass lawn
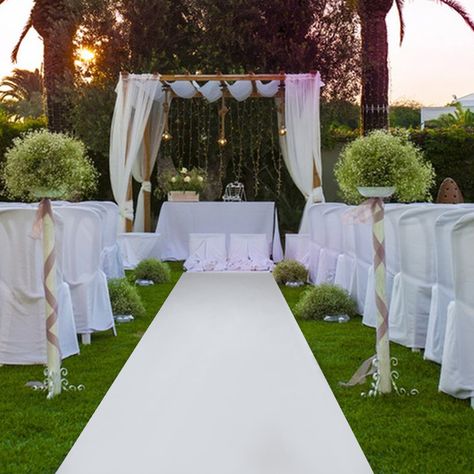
x=429 y=433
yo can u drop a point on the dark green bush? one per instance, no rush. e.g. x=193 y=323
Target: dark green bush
x=124 y=298
x=289 y=271
x=153 y=269
x=322 y=300
x=451 y=152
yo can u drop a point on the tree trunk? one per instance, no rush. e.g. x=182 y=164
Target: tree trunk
x=375 y=78
x=56 y=22
x=58 y=81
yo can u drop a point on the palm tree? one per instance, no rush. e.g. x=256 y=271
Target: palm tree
x=375 y=77
x=56 y=23
x=21 y=93
x=461 y=117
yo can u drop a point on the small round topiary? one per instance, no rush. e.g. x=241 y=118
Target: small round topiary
x=153 y=269
x=46 y=164
x=290 y=271
x=124 y=298
x=323 y=300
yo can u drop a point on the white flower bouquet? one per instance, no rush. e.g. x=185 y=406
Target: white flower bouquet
x=45 y=164
x=184 y=180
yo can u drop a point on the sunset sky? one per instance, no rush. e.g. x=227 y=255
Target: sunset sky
x=435 y=61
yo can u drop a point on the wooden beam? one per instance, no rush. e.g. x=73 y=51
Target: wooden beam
x=215 y=77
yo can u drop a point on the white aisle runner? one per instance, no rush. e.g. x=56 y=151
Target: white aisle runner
x=222 y=382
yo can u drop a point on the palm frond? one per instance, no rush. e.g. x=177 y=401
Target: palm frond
x=26 y=28
x=458 y=8
x=400 y=4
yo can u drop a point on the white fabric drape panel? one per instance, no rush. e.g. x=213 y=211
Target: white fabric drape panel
x=301 y=146
x=240 y=90
x=268 y=89
x=211 y=90
x=183 y=89
x=135 y=97
x=156 y=125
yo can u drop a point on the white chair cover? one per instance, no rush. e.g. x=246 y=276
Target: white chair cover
x=249 y=252
x=111 y=258
x=443 y=290
x=22 y=304
x=411 y=294
x=333 y=243
x=207 y=252
x=457 y=369
x=81 y=268
x=297 y=248
x=317 y=231
x=363 y=262
x=346 y=262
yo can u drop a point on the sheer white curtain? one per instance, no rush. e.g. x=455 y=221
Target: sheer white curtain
x=156 y=125
x=301 y=146
x=135 y=97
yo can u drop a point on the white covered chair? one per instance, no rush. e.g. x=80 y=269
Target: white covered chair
x=363 y=261
x=345 y=276
x=207 y=252
x=457 y=368
x=333 y=243
x=249 y=252
x=443 y=290
x=111 y=257
x=297 y=248
x=22 y=302
x=411 y=294
x=317 y=234
x=81 y=267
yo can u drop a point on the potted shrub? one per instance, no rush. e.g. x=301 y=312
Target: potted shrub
x=290 y=272
x=384 y=160
x=42 y=164
x=185 y=185
x=320 y=301
x=152 y=270
x=125 y=300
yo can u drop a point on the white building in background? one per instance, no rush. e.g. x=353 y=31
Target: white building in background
x=432 y=113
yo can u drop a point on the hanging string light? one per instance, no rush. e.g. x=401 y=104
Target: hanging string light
x=222 y=140
x=166 y=110
x=281 y=109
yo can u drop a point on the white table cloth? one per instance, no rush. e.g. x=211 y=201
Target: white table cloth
x=137 y=246
x=179 y=219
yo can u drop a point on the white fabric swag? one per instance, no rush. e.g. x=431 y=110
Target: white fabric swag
x=139 y=110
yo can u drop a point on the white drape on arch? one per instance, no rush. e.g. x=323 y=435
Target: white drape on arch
x=155 y=128
x=135 y=97
x=140 y=102
x=301 y=146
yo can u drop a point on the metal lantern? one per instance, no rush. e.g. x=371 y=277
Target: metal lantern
x=234 y=192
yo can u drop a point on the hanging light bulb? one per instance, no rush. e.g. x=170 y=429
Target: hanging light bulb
x=166 y=136
x=282 y=130
x=222 y=141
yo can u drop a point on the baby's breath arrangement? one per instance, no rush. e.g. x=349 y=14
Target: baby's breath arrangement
x=384 y=159
x=183 y=180
x=46 y=164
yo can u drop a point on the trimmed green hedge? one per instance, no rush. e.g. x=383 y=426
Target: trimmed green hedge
x=451 y=151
